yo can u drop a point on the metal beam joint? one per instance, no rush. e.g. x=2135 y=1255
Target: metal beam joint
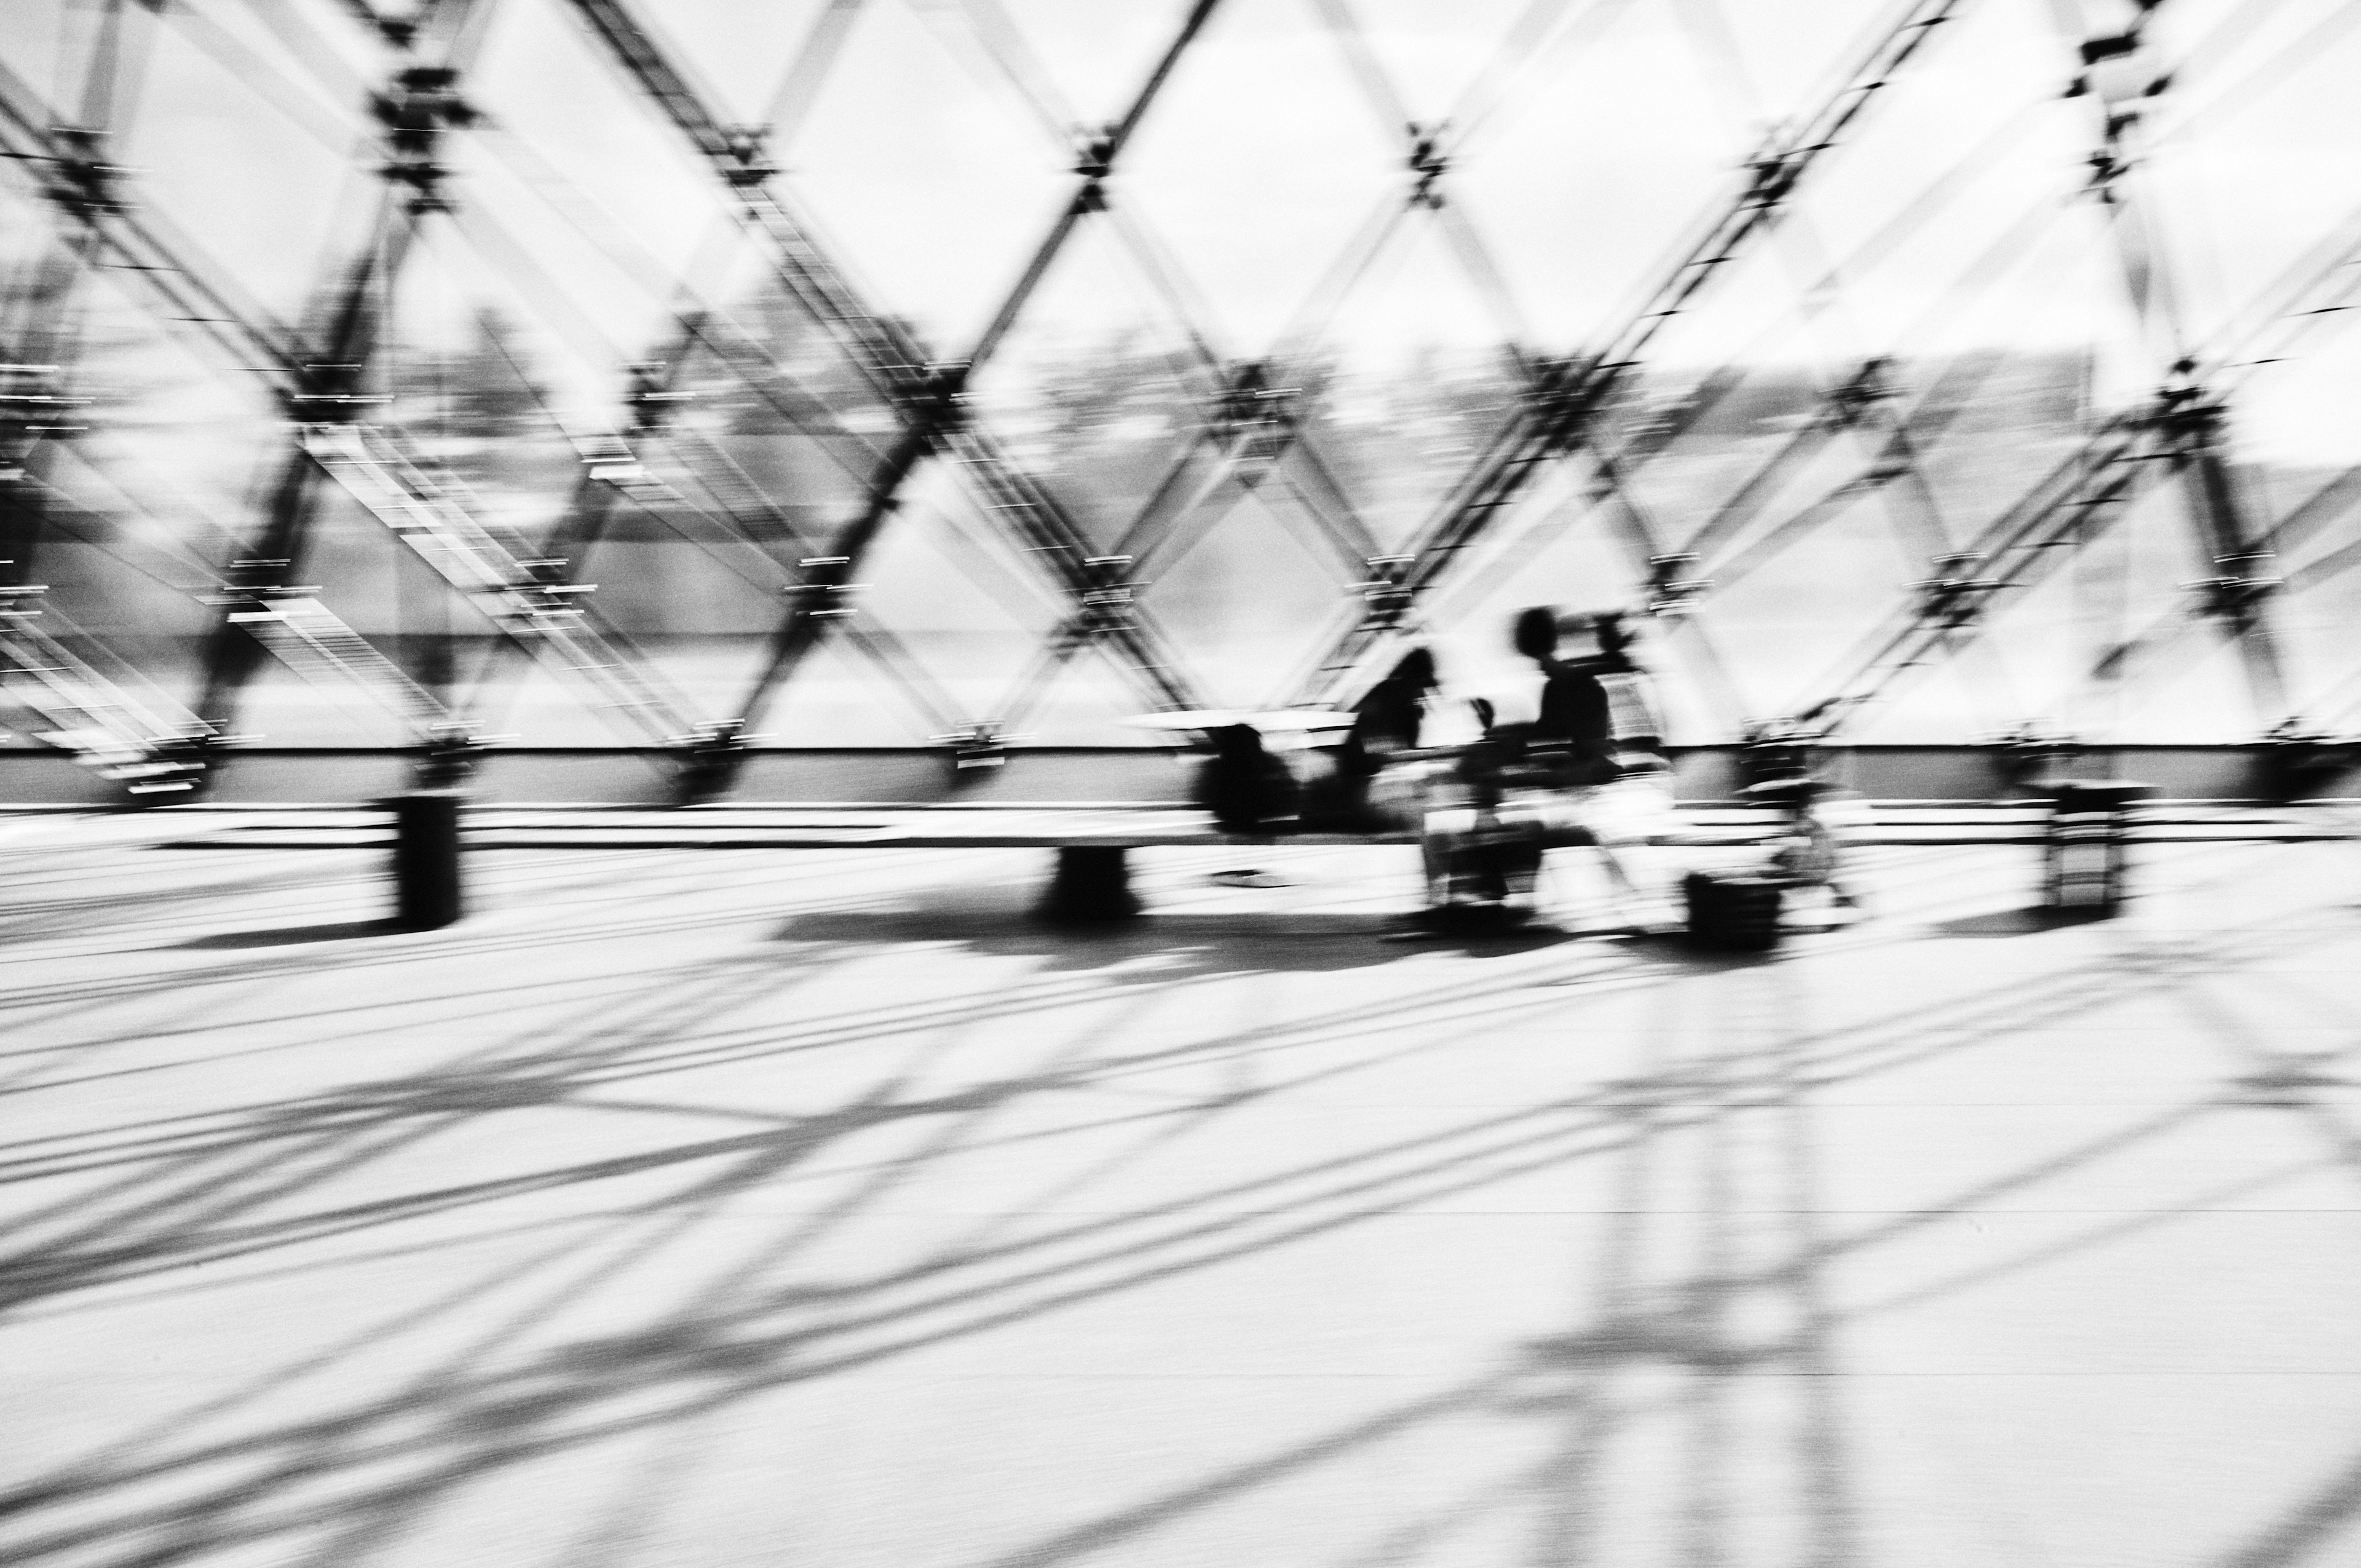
x=1105 y=599
x=1673 y=592
x=327 y=394
x=1953 y=598
x=1427 y=161
x=80 y=181
x=415 y=108
x=1388 y=599
x=825 y=594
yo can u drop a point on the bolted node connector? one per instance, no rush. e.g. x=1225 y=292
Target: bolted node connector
x=1250 y=408
x=2235 y=595
x=824 y=595
x=420 y=102
x=709 y=761
x=1094 y=161
x=1773 y=751
x=977 y=750
x=1672 y=592
x=2113 y=69
x=415 y=108
x=257 y=578
x=327 y=394
x=2107 y=171
x=1387 y=597
x=1103 y=602
x=610 y=460
x=1770 y=180
x=1107 y=596
x=172 y=770
x=751 y=163
x=448 y=756
x=424 y=177
x=1429 y=162
x=2113 y=47
x=1094 y=153
x=650 y=396
x=2185 y=413
x=1566 y=393
x=80 y=181
x=937 y=403
x=1952 y=599
x=1867 y=387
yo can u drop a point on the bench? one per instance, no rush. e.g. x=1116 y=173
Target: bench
x=1091 y=840
x=428 y=829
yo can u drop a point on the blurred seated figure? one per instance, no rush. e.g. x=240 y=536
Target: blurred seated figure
x=1246 y=788
x=1391 y=718
x=1571 y=744
x=1365 y=784
x=1569 y=773
x=1635 y=724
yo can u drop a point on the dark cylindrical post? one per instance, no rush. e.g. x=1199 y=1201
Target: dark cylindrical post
x=426 y=890
x=1733 y=912
x=2085 y=853
x=1092 y=887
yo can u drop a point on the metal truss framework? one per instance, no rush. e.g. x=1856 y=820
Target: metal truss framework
x=1248 y=424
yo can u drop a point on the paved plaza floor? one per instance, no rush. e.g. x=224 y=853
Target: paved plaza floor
x=692 y=1209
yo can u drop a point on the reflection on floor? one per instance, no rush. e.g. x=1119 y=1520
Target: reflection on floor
x=716 y=1208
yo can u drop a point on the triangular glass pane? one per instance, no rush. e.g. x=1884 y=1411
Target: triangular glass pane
x=838 y=697
x=1091 y=58
x=1634 y=88
x=1098 y=388
x=273 y=239
x=1087 y=702
x=1432 y=56
x=741 y=50
x=1251 y=597
x=926 y=190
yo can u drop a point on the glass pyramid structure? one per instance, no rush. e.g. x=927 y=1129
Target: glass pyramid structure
x=905 y=373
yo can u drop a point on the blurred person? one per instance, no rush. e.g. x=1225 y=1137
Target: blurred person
x=1522 y=780
x=1590 y=767
x=1392 y=716
x=1247 y=790
x=1370 y=784
x=1635 y=720
x=1636 y=807
x=1571 y=743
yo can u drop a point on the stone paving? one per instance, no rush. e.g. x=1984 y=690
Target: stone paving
x=706 y=1209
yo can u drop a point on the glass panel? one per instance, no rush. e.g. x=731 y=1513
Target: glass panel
x=1335 y=302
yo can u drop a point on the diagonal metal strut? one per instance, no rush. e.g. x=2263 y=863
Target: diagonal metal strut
x=927 y=395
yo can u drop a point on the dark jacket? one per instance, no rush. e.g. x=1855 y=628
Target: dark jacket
x=1246 y=788
x=1573 y=738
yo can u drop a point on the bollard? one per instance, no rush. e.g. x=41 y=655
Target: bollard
x=1733 y=912
x=2085 y=851
x=426 y=893
x=1092 y=887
